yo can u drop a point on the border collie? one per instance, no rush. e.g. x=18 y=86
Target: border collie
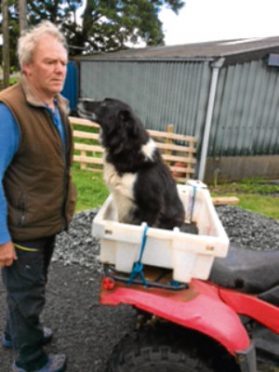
x=141 y=184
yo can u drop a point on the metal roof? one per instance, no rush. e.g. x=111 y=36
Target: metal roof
x=234 y=51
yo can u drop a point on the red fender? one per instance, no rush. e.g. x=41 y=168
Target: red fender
x=244 y=304
x=199 y=308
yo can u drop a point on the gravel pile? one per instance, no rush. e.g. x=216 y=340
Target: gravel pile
x=78 y=246
x=246 y=229
x=249 y=230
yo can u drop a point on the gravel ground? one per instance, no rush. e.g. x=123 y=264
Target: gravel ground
x=87 y=331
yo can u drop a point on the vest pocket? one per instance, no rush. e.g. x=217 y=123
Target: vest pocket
x=18 y=212
x=21 y=205
x=18 y=217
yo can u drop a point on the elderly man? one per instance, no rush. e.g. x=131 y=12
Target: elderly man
x=37 y=197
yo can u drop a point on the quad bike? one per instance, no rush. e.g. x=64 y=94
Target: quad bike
x=227 y=323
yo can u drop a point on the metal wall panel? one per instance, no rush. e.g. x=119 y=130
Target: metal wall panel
x=161 y=93
x=245 y=117
x=246 y=113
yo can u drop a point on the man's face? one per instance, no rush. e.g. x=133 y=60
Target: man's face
x=47 y=70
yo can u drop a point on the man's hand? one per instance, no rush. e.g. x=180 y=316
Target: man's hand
x=7 y=254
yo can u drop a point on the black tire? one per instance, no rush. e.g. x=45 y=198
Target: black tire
x=156 y=350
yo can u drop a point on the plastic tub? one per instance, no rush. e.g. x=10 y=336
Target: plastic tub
x=188 y=255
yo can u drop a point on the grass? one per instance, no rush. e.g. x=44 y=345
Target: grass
x=92 y=191
x=255 y=195
x=263 y=204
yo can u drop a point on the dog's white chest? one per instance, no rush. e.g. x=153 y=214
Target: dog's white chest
x=122 y=189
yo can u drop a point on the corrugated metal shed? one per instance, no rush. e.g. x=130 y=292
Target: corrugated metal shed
x=246 y=114
x=160 y=92
x=237 y=50
x=173 y=84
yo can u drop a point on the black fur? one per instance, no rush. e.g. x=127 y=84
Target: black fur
x=155 y=196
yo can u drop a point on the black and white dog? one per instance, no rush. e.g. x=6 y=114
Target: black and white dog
x=141 y=183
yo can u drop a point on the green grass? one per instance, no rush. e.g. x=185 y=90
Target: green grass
x=263 y=204
x=92 y=191
x=249 y=185
x=255 y=195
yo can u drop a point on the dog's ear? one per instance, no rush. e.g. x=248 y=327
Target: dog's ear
x=126 y=119
x=129 y=122
x=124 y=116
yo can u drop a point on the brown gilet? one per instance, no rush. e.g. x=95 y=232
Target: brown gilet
x=37 y=184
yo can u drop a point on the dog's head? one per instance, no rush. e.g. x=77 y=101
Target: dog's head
x=86 y=108
x=121 y=128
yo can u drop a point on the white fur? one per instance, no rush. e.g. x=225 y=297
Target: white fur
x=149 y=149
x=122 y=189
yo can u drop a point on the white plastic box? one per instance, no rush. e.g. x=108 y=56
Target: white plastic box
x=188 y=255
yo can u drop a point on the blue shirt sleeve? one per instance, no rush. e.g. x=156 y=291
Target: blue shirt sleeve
x=9 y=143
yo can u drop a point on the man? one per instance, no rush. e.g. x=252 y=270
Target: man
x=36 y=194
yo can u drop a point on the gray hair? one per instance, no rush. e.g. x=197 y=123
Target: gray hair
x=30 y=38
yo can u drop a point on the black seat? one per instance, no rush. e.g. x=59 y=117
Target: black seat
x=272 y=296
x=250 y=271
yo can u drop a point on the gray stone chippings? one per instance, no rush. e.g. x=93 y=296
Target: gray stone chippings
x=246 y=229
x=249 y=230
x=77 y=245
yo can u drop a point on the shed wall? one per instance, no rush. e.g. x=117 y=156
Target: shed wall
x=245 y=117
x=161 y=93
x=246 y=114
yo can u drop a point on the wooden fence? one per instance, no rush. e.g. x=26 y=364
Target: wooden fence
x=177 y=150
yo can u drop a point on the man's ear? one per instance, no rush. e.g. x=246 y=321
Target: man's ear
x=26 y=69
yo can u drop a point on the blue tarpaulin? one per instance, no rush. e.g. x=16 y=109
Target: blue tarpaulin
x=70 y=90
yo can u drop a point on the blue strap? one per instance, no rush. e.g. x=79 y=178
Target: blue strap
x=175 y=284
x=138 y=266
x=143 y=242
x=193 y=202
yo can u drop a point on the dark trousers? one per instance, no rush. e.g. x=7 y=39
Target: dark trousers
x=25 y=283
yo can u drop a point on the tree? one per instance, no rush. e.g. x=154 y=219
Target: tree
x=22 y=14
x=57 y=11
x=6 y=43
x=104 y=25
x=109 y=25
